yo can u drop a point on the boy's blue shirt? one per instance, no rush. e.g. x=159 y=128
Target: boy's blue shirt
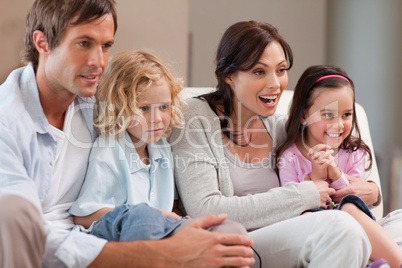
x=117 y=176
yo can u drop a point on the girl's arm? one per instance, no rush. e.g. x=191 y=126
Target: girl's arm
x=352 y=164
x=292 y=169
x=289 y=168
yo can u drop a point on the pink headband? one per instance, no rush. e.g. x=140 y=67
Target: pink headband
x=331 y=76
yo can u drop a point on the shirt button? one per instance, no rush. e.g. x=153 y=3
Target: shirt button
x=152 y=194
x=146 y=169
x=52 y=163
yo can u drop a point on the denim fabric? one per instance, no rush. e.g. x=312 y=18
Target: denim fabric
x=134 y=222
x=358 y=203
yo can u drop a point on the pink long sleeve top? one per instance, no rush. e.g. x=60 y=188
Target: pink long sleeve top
x=293 y=166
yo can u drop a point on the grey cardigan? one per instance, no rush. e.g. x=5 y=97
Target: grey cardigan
x=203 y=179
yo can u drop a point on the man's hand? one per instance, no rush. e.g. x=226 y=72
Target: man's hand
x=367 y=191
x=193 y=246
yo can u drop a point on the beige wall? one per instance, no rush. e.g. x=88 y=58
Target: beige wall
x=301 y=23
x=159 y=25
x=164 y=26
x=12 y=29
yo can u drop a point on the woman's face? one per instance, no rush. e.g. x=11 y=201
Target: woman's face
x=259 y=89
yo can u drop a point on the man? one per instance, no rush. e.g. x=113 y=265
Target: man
x=45 y=137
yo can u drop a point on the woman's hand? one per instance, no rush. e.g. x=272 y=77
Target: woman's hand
x=325 y=192
x=367 y=191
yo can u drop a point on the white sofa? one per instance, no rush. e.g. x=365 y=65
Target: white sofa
x=284 y=103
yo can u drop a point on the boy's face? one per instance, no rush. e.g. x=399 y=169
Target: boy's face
x=155 y=105
x=75 y=66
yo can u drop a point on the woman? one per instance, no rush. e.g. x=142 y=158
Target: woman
x=225 y=162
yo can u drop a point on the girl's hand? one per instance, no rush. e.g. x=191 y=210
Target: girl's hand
x=321 y=155
x=321 y=158
x=170 y=214
x=323 y=163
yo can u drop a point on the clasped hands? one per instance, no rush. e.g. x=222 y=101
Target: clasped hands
x=325 y=170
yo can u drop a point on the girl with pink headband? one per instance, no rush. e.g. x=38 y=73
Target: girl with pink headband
x=320 y=146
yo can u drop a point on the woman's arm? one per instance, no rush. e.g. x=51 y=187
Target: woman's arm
x=204 y=184
x=367 y=190
x=354 y=171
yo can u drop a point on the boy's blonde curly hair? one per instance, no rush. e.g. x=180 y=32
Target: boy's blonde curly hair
x=127 y=76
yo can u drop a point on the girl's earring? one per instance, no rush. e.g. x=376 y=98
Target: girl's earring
x=303 y=132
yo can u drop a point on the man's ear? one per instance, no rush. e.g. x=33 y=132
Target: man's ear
x=40 y=42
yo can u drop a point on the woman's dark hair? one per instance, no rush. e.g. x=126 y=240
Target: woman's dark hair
x=53 y=16
x=240 y=48
x=302 y=101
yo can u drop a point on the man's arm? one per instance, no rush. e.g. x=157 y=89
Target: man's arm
x=193 y=246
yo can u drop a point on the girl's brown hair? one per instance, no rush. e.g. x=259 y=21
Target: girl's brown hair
x=302 y=101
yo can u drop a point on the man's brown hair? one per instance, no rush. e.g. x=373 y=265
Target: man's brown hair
x=53 y=16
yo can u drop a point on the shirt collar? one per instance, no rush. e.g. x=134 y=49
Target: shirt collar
x=30 y=95
x=154 y=153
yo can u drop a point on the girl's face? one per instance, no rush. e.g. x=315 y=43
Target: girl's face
x=155 y=105
x=329 y=120
x=259 y=89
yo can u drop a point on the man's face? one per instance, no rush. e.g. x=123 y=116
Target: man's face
x=75 y=66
